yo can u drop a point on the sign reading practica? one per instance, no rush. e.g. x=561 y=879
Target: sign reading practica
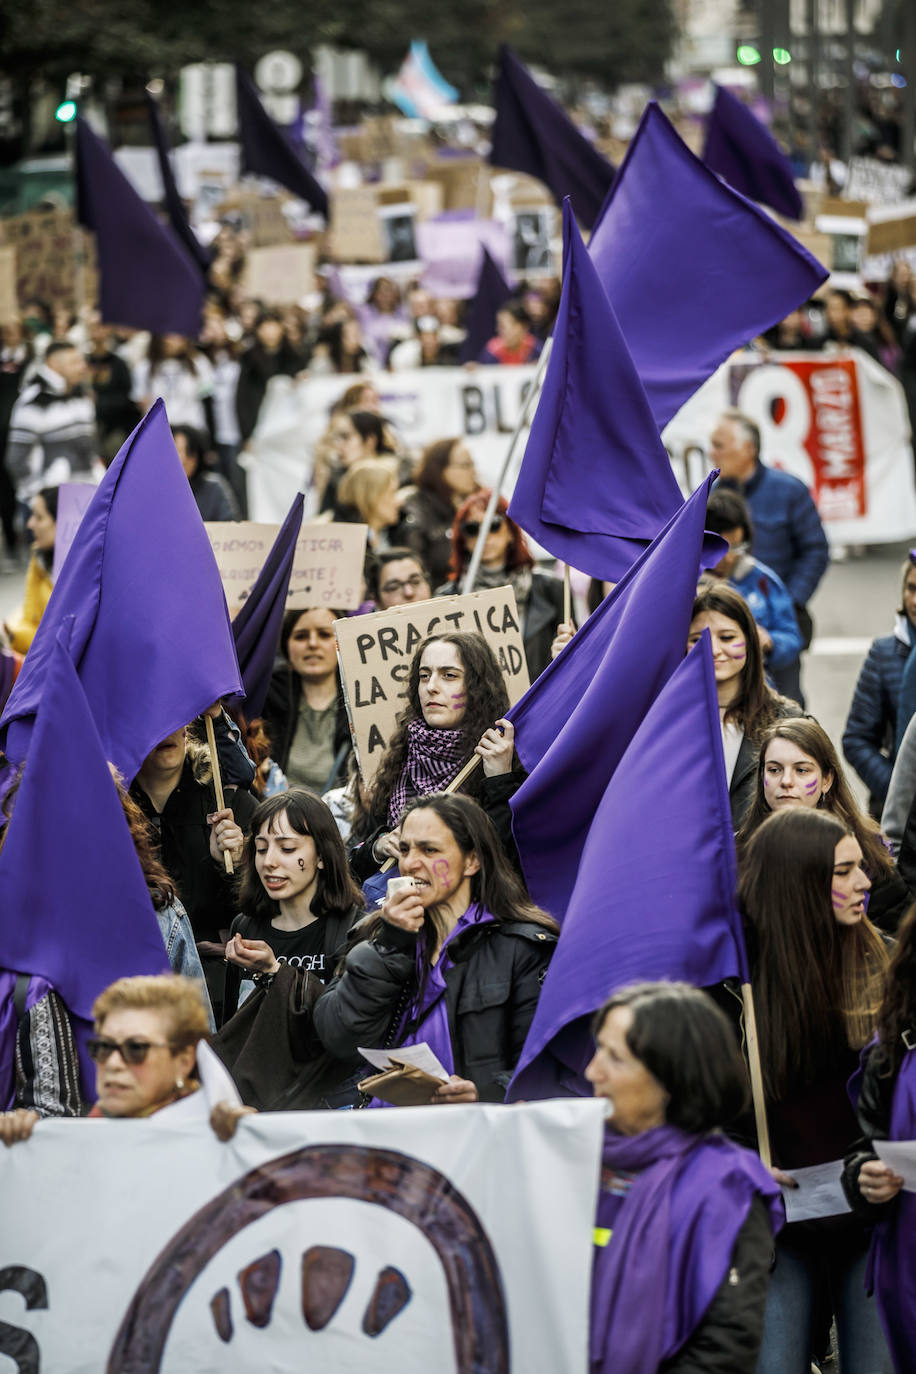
x=376 y=652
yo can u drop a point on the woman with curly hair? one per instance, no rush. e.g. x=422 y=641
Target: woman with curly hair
x=747 y=706
x=457 y=701
x=798 y=766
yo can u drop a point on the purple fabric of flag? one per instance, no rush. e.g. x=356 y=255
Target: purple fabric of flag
x=256 y=628
x=174 y=205
x=76 y=908
x=596 y=484
x=892 y=1263
x=532 y=134
x=655 y=892
x=267 y=152
x=492 y=291
x=693 y=269
x=152 y=642
x=747 y=156
x=146 y=278
x=575 y=722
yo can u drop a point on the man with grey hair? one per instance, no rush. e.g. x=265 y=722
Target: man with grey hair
x=788 y=534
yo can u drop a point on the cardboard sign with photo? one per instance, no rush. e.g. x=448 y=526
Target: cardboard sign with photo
x=531 y=250
x=399 y=231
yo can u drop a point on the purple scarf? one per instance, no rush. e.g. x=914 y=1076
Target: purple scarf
x=893 y=1255
x=673 y=1231
x=434 y=757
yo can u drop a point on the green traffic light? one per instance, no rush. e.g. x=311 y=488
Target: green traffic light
x=782 y=56
x=747 y=56
x=66 y=112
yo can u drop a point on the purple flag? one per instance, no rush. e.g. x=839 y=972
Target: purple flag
x=146 y=279
x=152 y=642
x=655 y=895
x=731 y=271
x=267 y=152
x=747 y=156
x=257 y=625
x=492 y=291
x=174 y=205
x=532 y=134
x=575 y=722
x=76 y=908
x=596 y=484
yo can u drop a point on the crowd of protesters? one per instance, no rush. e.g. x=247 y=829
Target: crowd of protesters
x=307 y=948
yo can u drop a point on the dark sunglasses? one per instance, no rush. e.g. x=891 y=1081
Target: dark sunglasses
x=131 y=1051
x=471 y=528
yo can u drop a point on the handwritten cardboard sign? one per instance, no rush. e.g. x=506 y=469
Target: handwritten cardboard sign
x=376 y=652
x=280 y=274
x=327 y=569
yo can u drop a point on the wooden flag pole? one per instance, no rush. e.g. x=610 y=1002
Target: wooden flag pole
x=567 y=597
x=217 y=784
x=753 y=1059
x=453 y=786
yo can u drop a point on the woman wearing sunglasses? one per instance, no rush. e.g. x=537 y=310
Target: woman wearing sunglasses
x=148 y=1046
x=507 y=561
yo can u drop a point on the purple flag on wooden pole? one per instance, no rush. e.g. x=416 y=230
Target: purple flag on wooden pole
x=152 y=642
x=76 y=908
x=532 y=134
x=267 y=152
x=256 y=628
x=574 y=723
x=728 y=271
x=596 y=484
x=492 y=291
x=656 y=890
x=745 y=153
x=146 y=278
x=174 y=205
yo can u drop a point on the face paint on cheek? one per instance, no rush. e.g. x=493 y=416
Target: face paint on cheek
x=811 y=787
x=302 y=864
x=736 y=650
x=459 y=701
x=441 y=870
x=839 y=898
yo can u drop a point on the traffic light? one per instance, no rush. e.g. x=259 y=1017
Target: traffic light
x=66 y=112
x=747 y=55
x=782 y=57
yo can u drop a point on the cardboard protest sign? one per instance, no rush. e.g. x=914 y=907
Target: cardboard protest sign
x=72 y=503
x=281 y=274
x=392 y=1240
x=891 y=227
x=9 y=306
x=376 y=652
x=327 y=570
x=45 y=267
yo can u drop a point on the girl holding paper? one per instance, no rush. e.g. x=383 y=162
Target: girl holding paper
x=817 y=970
x=455 y=962
x=887 y=1111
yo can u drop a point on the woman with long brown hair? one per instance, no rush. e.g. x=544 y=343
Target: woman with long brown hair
x=818 y=968
x=444 y=477
x=747 y=705
x=798 y=766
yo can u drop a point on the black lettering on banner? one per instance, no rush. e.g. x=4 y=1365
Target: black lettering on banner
x=400 y=673
x=509 y=620
x=456 y=618
x=476 y=615
x=475 y=421
x=411 y=640
x=501 y=426
x=376 y=740
x=492 y=612
x=388 y=642
x=513 y=654
x=364 y=643
x=376 y=693
x=21 y=1345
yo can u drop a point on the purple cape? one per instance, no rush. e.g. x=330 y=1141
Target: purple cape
x=672 y=1239
x=893 y=1255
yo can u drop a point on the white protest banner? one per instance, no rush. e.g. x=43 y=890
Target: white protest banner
x=412 y=1239
x=376 y=652
x=327 y=568
x=481 y=405
x=838 y=422
x=72 y=503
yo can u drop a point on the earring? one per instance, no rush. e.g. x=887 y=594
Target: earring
x=179 y=1084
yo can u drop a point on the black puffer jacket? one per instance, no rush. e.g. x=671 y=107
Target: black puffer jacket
x=493 y=981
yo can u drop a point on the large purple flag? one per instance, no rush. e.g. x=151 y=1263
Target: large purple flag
x=532 y=134
x=174 y=205
x=491 y=292
x=655 y=895
x=152 y=642
x=731 y=271
x=267 y=151
x=575 y=722
x=75 y=907
x=146 y=278
x=745 y=153
x=257 y=625
x=596 y=484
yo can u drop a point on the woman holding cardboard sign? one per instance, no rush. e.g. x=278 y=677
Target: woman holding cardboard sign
x=455 y=961
x=457 y=701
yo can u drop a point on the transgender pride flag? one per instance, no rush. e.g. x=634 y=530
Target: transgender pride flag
x=419 y=90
